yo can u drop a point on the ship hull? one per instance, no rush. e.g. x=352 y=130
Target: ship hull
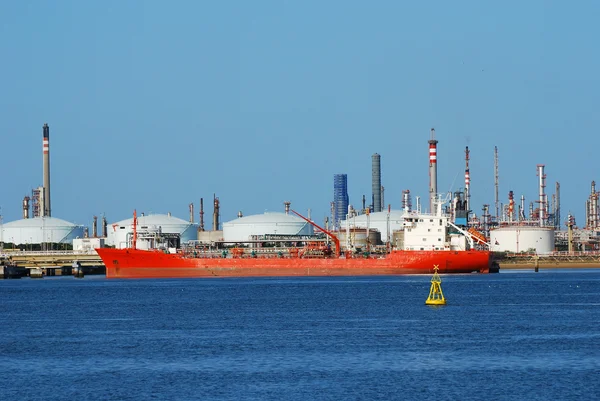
x=129 y=263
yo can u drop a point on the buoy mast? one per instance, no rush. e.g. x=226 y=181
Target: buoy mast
x=436 y=296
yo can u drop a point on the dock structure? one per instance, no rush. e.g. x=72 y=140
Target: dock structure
x=553 y=260
x=52 y=263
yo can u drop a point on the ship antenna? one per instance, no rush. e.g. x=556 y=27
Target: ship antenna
x=333 y=237
x=134 y=229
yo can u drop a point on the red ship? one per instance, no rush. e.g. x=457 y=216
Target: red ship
x=314 y=259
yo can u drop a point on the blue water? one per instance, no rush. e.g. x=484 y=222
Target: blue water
x=507 y=336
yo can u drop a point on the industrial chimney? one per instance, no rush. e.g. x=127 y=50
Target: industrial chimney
x=95 y=227
x=26 y=207
x=593 y=207
x=406 y=201
x=376 y=181
x=201 y=225
x=542 y=188
x=104 y=227
x=191 y=206
x=215 y=213
x=432 y=170
x=46 y=162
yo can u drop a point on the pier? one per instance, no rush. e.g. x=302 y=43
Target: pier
x=53 y=263
x=553 y=260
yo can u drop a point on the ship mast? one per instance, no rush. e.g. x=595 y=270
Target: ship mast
x=134 y=242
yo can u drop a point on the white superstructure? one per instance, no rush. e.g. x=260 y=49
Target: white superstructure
x=410 y=230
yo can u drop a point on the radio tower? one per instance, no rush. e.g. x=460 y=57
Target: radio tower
x=497 y=201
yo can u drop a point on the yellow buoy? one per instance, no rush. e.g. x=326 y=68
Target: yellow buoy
x=436 y=296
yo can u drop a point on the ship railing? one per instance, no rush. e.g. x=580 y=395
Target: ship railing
x=267 y=252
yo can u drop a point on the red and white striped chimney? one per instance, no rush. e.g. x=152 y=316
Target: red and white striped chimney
x=432 y=170
x=46 y=169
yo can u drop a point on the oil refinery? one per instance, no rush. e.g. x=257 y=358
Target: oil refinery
x=511 y=229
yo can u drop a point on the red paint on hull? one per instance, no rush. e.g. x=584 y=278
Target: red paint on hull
x=129 y=263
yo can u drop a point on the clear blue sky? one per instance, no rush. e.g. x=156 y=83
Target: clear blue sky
x=154 y=104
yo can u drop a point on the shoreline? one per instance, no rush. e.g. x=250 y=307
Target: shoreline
x=546 y=265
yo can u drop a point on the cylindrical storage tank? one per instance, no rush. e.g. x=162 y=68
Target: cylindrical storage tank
x=119 y=232
x=40 y=230
x=398 y=239
x=522 y=239
x=272 y=223
x=374 y=237
x=358 y=237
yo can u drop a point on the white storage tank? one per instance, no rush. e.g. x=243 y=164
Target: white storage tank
x=358 y=237
x=522 y=239
x=40 y=230
x=120 y=232
x=243 y=228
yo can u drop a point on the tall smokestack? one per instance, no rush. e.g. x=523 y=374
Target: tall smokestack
x=26 y=207
x=376 y=182
x=46 y=158
x=201 y=225
x=406 y=202
x=511 y=206
x=95 y=227
x=432 y=170
x=557 y=207
x=542 y=187
x=191 y=206
x=104 y=227
x=215 y=213
x=496 y=199
x=593 y=207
